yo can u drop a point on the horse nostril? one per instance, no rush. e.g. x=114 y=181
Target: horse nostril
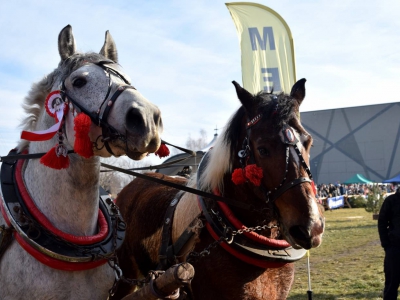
x=157 y=120
x=134 y=119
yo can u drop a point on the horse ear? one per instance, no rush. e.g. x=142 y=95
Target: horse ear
x=244 y=96
x=109 y=49
x=66 y=43
x=298 y=91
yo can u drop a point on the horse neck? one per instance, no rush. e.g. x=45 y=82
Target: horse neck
x=186 y=211
x=262 y=214
x=69 y=198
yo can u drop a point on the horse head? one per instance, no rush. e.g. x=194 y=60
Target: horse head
x=277 y=144
x=262 y=159
x=122 y=121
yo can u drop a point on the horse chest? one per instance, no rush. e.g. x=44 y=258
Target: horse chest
x=29 y=279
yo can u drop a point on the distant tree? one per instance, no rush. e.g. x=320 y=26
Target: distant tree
x=113 y=181
x=374 y=200
x=199 y=143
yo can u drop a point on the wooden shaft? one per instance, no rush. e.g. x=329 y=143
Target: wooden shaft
x=174 y=278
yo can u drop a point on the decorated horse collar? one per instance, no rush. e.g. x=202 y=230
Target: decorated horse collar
x=54 y=248
x=249 y=247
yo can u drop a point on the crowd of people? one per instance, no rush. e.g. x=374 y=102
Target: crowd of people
x=334 y=190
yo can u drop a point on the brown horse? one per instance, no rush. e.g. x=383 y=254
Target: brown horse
x=259 y=169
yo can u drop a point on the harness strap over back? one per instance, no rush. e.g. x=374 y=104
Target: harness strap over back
x=169 y=250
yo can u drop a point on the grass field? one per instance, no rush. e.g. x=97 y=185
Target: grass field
x=349 y=262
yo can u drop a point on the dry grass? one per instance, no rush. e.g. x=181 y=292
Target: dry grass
x=348 y=264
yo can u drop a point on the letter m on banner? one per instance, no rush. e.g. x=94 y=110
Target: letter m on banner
x=267 y=49
x=268 y=35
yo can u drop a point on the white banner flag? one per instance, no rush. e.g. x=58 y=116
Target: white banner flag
x=267 y=48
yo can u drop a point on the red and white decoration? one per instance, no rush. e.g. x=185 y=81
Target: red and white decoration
x=56 y=108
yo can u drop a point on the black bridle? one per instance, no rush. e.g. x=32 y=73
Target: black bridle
x=99 y=117
x=289 y=139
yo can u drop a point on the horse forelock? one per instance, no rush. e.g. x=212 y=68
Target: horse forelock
x=33 y=104
x=280 y=109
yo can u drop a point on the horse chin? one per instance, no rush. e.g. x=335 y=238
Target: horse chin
x=135 y=155
x=292 y=242
x=305 y=243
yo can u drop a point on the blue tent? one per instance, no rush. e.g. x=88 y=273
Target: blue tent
x=395 y=179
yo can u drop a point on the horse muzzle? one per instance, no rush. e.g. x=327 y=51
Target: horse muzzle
x=307 y=237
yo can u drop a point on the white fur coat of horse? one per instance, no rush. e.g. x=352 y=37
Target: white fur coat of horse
x=69 y=198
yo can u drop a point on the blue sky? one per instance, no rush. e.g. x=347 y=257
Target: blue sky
x=183 y=55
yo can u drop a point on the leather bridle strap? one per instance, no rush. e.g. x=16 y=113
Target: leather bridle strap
x=288 y=186
x=108 y=131
x=290 y=140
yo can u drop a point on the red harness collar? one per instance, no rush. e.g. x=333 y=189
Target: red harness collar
x=45 y=223
x=252 y=234
x=247 y=259
x=282 y=244
x=42 y=219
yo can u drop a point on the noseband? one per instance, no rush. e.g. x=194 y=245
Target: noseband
x=109 y=133
x=289 y=139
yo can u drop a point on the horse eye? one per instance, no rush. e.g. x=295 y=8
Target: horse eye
x=79 y=82
x=263 y=151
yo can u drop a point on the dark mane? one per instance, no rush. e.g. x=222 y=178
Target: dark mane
x=286 y=109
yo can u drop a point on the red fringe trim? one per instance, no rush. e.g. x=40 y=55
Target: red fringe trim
x=51 y=160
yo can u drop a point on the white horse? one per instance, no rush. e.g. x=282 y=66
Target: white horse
x=123 y=122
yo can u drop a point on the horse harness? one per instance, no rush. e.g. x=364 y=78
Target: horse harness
x=42 y=243
x=109 y=133
x=267 y=253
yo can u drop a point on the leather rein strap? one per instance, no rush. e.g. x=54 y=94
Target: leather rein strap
x=184 y=188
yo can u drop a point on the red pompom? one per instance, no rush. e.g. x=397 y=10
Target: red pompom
x=163 y=151
x=251 y=173
x=54 y=161
x=254 y=174
x=238 y=176
x=314 y=189
x=83 y=146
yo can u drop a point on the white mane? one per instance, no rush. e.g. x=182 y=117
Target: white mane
x=33 y=106
x=218 y=165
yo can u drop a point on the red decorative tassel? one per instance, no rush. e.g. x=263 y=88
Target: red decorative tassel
x=251 y=173
x=238 y=176
x=52 y=160
x=314 y=189
x=83 y=146
x=254 y=174
x=163 y=151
